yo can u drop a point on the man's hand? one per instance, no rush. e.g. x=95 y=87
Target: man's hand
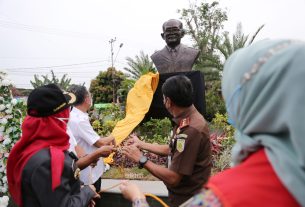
x=96 y=196
x=102 y=141
x=134 y=140
x=105 y=151
x=132 y=152
x=131 y=191
x=113 y=142
x=110 y=140
x=92 y=203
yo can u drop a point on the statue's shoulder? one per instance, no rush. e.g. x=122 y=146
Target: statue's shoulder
x=191 y=49
x=158 y=53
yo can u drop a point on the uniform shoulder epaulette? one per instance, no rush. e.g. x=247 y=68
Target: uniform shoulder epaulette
x=184 y=122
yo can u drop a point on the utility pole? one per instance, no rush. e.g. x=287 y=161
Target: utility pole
x=111 y=41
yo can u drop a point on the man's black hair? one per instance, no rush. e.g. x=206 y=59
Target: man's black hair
x=179 y=89
x=80 y=92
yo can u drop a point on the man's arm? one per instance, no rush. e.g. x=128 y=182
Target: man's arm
x=104 y=141
x=133 y=193
x=168 y=176
x=80 y=152
x=63 y=195
x=158 y=149
x=86 y=160
x=87 y=133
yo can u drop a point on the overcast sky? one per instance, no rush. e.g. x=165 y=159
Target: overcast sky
x=36 y=35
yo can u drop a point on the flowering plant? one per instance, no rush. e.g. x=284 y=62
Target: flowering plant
x=11 y=114
x=222 y=141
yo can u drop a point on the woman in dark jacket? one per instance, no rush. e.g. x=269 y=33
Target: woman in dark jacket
x=40 y=171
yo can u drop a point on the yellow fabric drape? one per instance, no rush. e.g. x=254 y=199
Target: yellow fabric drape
x=138 y=102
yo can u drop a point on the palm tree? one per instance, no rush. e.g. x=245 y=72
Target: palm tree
x=239 y=40
x=64 y=83
x=139 y=66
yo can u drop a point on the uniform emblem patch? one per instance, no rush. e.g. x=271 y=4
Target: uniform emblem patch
x=180 y=145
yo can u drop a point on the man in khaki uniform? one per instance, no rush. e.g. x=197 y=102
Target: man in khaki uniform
x=189 y=151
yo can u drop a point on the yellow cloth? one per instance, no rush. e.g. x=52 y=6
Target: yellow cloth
x=138 y=102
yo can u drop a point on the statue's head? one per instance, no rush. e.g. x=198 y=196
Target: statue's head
x=172 y=32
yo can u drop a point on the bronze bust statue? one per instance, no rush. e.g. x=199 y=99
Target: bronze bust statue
x=174 y=57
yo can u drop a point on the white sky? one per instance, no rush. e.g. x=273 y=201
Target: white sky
x=39 y=33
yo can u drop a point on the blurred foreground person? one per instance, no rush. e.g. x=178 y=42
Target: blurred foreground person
x=263 y=86
x=40 y=171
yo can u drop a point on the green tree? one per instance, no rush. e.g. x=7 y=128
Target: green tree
x=63 y=83
x=122 y=92
x=105 y=86
x=139 y=66
x=214 y=101
x=239 y=40
x=204 y=23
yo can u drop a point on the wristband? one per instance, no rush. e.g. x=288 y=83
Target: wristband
x=140 y=203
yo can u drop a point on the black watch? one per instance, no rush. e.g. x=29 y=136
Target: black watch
x=142 y=161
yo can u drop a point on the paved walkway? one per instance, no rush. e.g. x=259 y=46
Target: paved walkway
x=155 y=187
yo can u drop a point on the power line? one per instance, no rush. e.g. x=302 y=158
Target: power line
x=45 y=58
x=88 y=70
x=57 y=66
x=69 y=74
x=45 y=30
x=84 y=69
x=57 y=72
x=67 y=69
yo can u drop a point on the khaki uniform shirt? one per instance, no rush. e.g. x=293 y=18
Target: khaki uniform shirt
x=190 y=155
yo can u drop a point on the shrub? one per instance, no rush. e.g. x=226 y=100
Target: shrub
x=220 y=125
x=222 y=141
x=214 y=101
x=11 y=114
x=104 y=120
x=155 y=130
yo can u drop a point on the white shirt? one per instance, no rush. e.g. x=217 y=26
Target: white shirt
x=85 y=136
x=72 y=141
